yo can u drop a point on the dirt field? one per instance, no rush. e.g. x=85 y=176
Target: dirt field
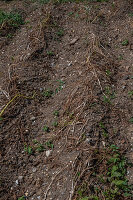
x=66 y=91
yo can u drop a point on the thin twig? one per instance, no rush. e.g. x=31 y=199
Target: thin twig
x=17 y=95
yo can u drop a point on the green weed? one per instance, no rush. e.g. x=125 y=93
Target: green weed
x=110 y=175
x=21 y=198
x=130 y=93
x=113 y=5
x=40 y=148
x=84 y=198
x=60 y=87
x=130 y=14
x=125 y=43
x=108 y=72
x=50 y=53
x=71 y=116
x=106 y=99
x=76 y=15
x=109 y=95
x=46 y=129
x=116 y=175
x=120 y=57
x=35 y=141
x=28 y=149
x=60 y=33
x=55 y=124
x=11 y=19
x=93 y=197
x=49 y=144
x=48 y=93
x=9 y=35
x=70 y=13
x=131 y=120
x=56 y=113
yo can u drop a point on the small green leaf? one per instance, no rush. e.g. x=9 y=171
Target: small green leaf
x=125 y=43
x=80 y=193
x=28 y=149
x=114 y=168
x=101 y=125
x=108 y=73
x=119 y=182
x=55 y=124
x=49 y=144
x=56 y=113
x=131 y=120
x=116 y=174
x=40 y=148
x=84 y=198
x=130 y=93
x=35 y=141
x=50 y=53
x=130 y=14
x=48 y=93
x=78 y=173
x=127 y=194
x=21 y=198
x=46 y=129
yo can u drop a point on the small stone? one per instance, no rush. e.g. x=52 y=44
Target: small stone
x=26 y=194
x=34 y=170
x=20 y=178
x=80 y=72
x=69 y=64
x=33 y=122
x=74 y=41
x=123 y=87
x=87 y=140
x=32 y=118
x=16 y=182
x=127 y=68
x=41 y=89
x=48 y=152
x=38 y=197
x=103 y=143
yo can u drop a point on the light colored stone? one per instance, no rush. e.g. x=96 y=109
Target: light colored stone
x=16 y=182
x=74 y=41
x=48 y=152
x=32 y=118
x=20 y=178
x=34 y=170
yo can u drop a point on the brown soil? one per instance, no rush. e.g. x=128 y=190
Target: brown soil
x=74 y=50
